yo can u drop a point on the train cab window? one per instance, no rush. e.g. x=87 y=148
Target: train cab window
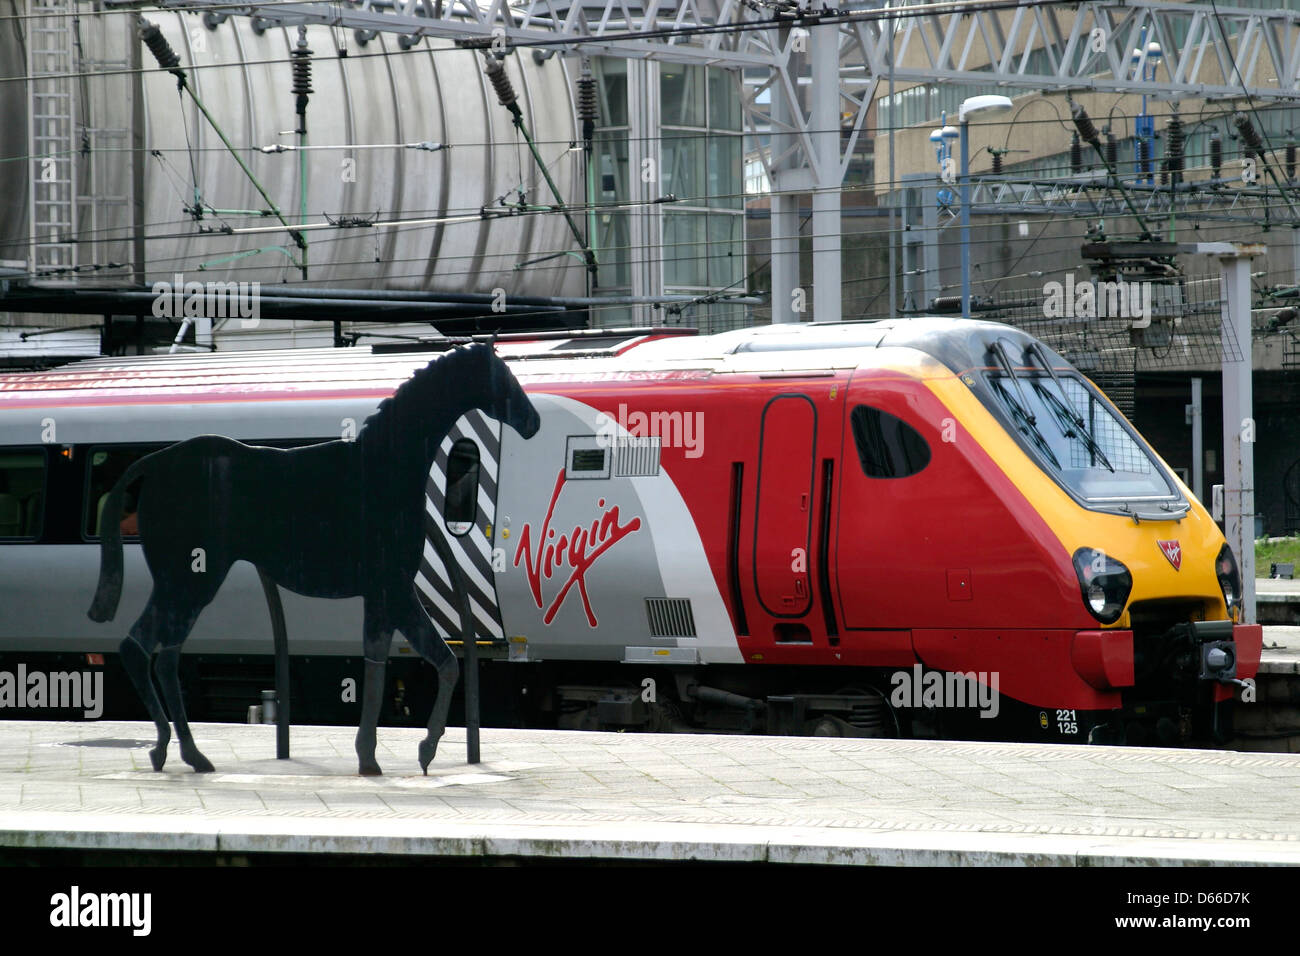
x=888 y=447
x=461 y=504
x=22 y=492
x=106 y=466
x=1079 y=439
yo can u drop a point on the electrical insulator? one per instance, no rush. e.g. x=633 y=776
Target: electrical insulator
x=1176 y=144
x=1112 y=149
x=1216 y=154
x=587 y=105
x=1249 y=135
x=587 y=97
x=301 y=73
x=1143 y=152
x=1076 y=154
x=1290 y=160
x=1175 y=147
x=496 y=72
x=162 y=50
x=997 y=161
x=1083 y=123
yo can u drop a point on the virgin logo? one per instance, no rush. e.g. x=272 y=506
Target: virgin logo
x=576 y=551
x=1173 y=551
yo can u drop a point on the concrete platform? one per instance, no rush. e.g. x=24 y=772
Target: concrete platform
x=1281 y=653
x=1277 y=600
x=546 y=794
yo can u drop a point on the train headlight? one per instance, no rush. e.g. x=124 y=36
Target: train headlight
x=1225 y=569
x=1097 y=598
x=1104 y=582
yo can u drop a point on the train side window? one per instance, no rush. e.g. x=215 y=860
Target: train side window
x=106 y=466
x=22 y=492
x=888 y=447
x=461 y=504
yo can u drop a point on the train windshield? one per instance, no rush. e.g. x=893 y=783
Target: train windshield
x=1077 y=436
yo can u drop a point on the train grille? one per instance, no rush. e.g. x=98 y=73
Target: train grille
x=670 y=617
x=636 y=457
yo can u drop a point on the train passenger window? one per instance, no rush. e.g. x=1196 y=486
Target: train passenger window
x=888 y=447
x=461 y=504
x=22 y=492
x=106 y=466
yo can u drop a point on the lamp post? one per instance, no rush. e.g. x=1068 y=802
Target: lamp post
x=1145 y=60
x=970 y=106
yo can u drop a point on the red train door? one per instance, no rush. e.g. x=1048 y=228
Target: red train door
x=783 y=509
x=874 y=565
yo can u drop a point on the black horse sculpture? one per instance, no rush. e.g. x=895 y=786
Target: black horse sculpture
x=334 y=520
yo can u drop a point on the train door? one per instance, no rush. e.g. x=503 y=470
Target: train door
x=783 y=508
x=881 y=450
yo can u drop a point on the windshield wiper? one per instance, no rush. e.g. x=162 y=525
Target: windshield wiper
x=1064 y=406
x=1001 y=355
x=1079 y=430
x=1029 y=424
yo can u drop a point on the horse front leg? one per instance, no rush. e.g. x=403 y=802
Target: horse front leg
x=378 y=639
x=428 y=643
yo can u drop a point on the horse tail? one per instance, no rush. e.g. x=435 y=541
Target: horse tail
x=109 y=592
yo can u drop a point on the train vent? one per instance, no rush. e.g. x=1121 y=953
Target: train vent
x=670 y=617
x=636 y=457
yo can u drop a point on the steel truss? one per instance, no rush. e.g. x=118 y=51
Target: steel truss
x=1085 y=196
x=816 y=69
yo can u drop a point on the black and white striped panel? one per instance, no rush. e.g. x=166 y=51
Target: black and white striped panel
x=472 y=550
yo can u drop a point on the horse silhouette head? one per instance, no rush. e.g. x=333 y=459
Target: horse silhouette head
x=503 y=397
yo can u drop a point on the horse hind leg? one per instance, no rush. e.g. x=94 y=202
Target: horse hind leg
x=169 y=659
x=157 y=626
x=136 y=656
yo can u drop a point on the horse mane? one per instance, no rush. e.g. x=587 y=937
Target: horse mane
x=418 y=391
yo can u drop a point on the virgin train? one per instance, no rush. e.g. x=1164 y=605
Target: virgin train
x=927 y=527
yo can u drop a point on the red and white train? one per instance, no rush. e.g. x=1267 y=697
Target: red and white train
x=928 y=526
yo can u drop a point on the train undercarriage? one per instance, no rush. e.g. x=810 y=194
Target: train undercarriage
x=810 y=701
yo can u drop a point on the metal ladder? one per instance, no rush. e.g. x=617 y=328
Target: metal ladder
x=1291 y=354
x=51 y=137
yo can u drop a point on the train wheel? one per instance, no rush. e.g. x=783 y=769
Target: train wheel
x=871 y=716
x=824 y=727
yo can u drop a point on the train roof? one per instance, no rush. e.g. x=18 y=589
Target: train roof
x=375 y=371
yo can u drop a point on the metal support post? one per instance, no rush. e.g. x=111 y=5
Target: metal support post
x=965 y=220
x=825 y=93
x=1238 y=412
x=1196 y=418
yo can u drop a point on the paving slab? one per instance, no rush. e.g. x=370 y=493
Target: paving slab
x=579 y=795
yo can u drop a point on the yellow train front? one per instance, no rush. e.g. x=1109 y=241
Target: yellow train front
x=1080 y=575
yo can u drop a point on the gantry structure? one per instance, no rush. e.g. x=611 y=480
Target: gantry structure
x=811 y=71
